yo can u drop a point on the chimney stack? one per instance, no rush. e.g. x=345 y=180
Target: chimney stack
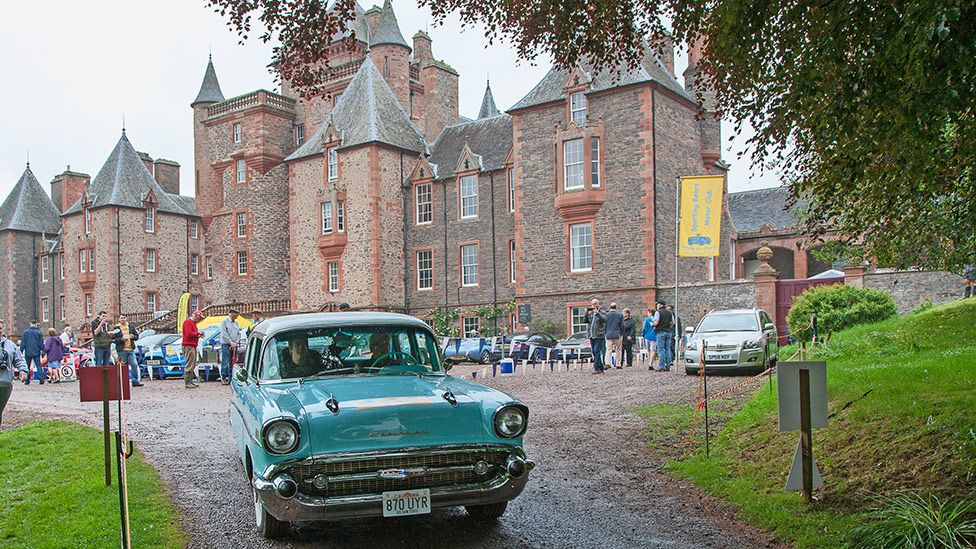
x=67 y=188
x=373 y=18
x=167 y=174
x=421 y=47
x=147 y=160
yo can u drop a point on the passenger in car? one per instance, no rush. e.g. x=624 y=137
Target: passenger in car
x=380 y=352
x=300 y=361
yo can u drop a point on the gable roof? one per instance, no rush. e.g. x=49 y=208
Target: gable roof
x=488 y=108
x=488 y=138
x=387 y=29
x=125 y=181
x=552 y=87
x=366 y=112
x=210 y=88
x=29 y=208
x=751 y=210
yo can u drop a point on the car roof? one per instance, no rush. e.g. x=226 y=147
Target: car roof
x=733 y=311
x=327 y=320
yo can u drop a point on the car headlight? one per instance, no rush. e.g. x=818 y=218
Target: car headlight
x=510 y=421
x=752 y=344
x=281 y=436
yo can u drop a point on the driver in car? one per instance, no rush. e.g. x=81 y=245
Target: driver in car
x=379 y=348
x=300 y=361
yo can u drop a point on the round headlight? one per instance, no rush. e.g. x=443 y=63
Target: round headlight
x=510 y=422
x=281 y=437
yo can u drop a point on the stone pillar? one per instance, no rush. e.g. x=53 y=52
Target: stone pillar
x=854 y=275
x=765 y=278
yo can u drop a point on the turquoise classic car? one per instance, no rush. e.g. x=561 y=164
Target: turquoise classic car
x=340 y=415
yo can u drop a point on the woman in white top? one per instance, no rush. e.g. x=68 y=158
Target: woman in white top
x=11 y=360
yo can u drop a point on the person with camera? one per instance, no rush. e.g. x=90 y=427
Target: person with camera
x=102 y=339
x=124 y=336
x=596 y=330
x=11 y=362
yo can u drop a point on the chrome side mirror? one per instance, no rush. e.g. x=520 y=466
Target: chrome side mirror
x=447 y=365
x=769 y=326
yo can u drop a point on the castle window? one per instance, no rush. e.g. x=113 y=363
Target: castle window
x=573 y=164
x=577 y=319
x=341 y=216
x=577 y=108
x=237 y=133
x=150 y=302
x=469 y=196
x=194 y=302
x=91 y=260
x=511 y=261
x=511 y=189
x=242 y=263
x=45 y=268
x=82 y=263
x=88 y=220
x=326 y=218
x=595 y=162
x=61 y=265
x=333 y=164
x=469 y=326
x=61 y=304
x=209 y=268
x=333 y=276
x=45 y=315
x=424 y=205
x=150 y=260
x=89 y=304
x=241 y=225
x=194 y=265
x=150 y=219
x=469 y=265
x=425 y=270
x=241 y=171
x=299 y=134
x=194 y=229
x=581 y=247
x=386 y=66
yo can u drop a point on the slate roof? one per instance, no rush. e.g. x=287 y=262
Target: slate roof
x=387 y=29
x=751 y=210
x=29 y=208
x=357 y=24
x=366 y=112
x=553 y=84
x=125 y=181
x=488 y=108
x=489 y=138
x=210 y=88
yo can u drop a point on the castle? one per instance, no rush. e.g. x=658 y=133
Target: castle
x=382 y=195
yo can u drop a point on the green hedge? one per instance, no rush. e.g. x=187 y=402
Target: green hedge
x=838 y=307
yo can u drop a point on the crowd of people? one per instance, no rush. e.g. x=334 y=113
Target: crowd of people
x=613 y=336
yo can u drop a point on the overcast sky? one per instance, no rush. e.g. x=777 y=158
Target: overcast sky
x=72 y=69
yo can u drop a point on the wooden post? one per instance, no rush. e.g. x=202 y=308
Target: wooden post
x=105 y=428
x=705 y=377
x=806 y=447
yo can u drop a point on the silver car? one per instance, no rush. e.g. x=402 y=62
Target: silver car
x=735 y=340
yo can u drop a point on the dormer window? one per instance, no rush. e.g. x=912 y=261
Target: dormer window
x=333 y=164
x=88 y=220
x=150 y=219
x=577 y=108
x=238 y=133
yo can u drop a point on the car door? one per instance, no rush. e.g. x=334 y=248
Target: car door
x=770 y=336
x=248 y=401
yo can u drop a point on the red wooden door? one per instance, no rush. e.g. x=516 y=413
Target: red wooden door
x=787 y=290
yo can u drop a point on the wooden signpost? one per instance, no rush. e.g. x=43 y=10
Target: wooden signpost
x=802 y=395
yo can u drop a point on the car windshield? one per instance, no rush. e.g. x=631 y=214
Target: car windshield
x=341 y=351
x=732 y=322
x=578 y=335
x=157 y=339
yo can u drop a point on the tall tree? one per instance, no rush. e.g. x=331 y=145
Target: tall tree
x=865 y=106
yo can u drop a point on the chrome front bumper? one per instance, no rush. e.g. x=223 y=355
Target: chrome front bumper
x=308 y=507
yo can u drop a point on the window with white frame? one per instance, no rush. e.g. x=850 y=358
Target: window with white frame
x=595 y=161
x=511 y=189
x=45 y=268
x=242 y=263
x=469 y=265
x=151 y=302
x=88 y=220
x=194 y=229
x=425 y=213
x=469 y=325
x=299 y=134
x=511 y=261
x=326 y=218
x=333 y=276
x=577 y=108
x=61 y=265
x=45 y=313
x=150 y=219
x=573 y=164
x=241 y=170
x=581 y=247
x=91 y=260
x=209 y=268
x=237 y=133
x=425 y=270
x=340 y=216
x=194 y=264
x=82 y=261
x=241 y=225
x=577 y=319
x=710 y=269
x=61 y=307
x=194 y=302
x=150 y=260
x=89 y=305
x=333 y=164
x=469 y=196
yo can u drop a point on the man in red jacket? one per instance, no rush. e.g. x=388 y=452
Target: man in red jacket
x=191 y=336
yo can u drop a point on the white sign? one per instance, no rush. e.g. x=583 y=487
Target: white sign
x=794 y=482
x=788 y=394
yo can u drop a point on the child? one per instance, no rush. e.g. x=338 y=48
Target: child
x=54 y=350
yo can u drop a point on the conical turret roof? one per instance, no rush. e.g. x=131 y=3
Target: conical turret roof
x=29 y=208
x=387 y=29
x=210 y=88
x=488 y=108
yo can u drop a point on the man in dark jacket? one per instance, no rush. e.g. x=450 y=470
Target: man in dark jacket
x=102 y=339
x=32 y=345
x=628 y=333
x=596 y=330
x=614 y=324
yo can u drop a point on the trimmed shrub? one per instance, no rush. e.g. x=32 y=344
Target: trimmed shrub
x=838 y=307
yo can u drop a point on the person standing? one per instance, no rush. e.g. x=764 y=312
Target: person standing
x=680 y=327
x=628 y=332
x=68 y=337
x=230 y=336
x=664 y=329
x=596 y=330
x=650 y=338
x=54 y=350
x=614 y=324
x=11 y=360
x=102 y=339
x=191 y=336
x=969 y=280
x=125 y=336
x=256 y=318
x=32 y=345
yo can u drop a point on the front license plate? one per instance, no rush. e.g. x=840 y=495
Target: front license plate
x=719 y=357
x=406 y=502
x=153 y=362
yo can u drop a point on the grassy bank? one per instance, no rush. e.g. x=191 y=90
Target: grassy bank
x=902 y=396
x=52 y=485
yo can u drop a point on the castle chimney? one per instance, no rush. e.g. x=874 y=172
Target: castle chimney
x=421 y=47
x=67 y=188
x=167 y=174
x=373 y=18
x=147 y=160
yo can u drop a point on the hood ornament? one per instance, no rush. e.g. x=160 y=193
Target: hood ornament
x=449 y=397
x=332 y=404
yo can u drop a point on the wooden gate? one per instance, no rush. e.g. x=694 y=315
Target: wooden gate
x=788 y=289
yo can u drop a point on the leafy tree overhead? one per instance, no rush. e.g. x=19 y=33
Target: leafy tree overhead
x=868 y=108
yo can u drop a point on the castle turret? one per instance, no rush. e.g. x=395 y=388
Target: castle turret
x=488 y=108
x=391 y=54
x=209 y=195
x=709 y=124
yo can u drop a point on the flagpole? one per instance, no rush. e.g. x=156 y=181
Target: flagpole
x=677 y=215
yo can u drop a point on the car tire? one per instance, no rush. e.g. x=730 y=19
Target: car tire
x=485 y=357
x=487 y=513
x=268 y=527
x=691 y=372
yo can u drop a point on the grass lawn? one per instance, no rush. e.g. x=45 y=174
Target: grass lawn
x=902 y=399
x=52 y=485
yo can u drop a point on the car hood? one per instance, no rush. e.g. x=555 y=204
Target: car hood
x=726 y=338
x=396 y=411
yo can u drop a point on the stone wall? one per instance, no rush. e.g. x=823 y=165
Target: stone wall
x=912 y=288
x=20 y=296
x=725 y=294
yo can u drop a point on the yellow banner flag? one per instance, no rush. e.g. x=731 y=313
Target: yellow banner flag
x=701 y=215
x=181 y=312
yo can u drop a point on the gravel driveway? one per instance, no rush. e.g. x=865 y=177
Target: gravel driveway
x=596 y=483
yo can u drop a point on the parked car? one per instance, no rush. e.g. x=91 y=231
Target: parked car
x=738 y=340
x=576 y=346
x=341 y=415
x=208 y=365
x=477 y=349
x=524 y=342
x=163 y=353
x=75 y=357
